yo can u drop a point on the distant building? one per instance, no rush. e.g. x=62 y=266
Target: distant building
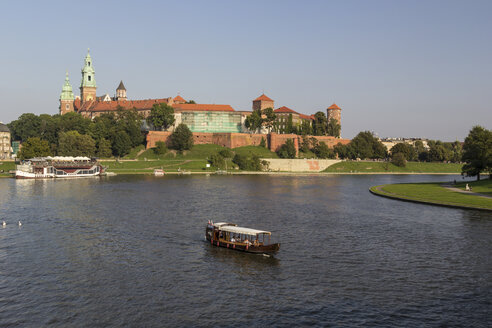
x=5 y=148
x=390 y=142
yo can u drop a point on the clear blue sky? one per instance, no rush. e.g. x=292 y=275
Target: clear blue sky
x=398 y=68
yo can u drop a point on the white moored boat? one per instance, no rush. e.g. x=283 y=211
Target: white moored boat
x=58 y=167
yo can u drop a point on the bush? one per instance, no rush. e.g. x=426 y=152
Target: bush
x=216 y=160
x=247 y=163
x=322 y=151
x=226 y=153
x=160 y=148
x=181 y=138
x=287 y=150
x=399 y=160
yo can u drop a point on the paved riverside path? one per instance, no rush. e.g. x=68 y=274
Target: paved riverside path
x=450 y=187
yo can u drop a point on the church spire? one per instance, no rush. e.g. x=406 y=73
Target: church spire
x=67 y=92
x=88 y=83
x=66 y=97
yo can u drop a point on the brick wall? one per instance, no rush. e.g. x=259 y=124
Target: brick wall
x=233 y=140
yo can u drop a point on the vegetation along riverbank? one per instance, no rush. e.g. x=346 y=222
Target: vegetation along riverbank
x=444 y=194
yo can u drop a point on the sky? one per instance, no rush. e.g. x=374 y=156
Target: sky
x=397 y=68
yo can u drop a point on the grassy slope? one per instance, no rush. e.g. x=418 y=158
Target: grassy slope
x=6 y=167
x=411 y=167
x=435 y=193
x=261 y=152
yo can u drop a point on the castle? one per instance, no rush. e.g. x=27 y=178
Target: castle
x=200 y=118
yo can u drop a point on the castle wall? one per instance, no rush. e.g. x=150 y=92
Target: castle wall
x=233 y=140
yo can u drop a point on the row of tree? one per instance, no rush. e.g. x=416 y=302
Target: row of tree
x=72 y=134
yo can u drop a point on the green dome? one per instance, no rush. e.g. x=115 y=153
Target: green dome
x=67 y=93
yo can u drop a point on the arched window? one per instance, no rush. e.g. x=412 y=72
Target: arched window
x=89 y=63
x=89 y=78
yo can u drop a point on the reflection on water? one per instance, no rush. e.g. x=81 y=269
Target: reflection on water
x=130 y=251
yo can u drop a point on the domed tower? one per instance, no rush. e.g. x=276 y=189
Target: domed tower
x=121 y=92
x=66 y=97
x=334 y=112
x=88 y=84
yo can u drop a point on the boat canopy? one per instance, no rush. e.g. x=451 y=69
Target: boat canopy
x=244 y=231
x=221 y=224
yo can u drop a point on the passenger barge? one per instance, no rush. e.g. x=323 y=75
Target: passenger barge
x=58 y=167
x=229 y=235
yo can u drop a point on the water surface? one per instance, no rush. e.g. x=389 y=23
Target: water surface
x=130 y=251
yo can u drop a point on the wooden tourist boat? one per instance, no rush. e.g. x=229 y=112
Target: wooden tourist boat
x=229 y=235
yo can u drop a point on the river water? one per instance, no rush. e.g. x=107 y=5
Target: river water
x=131 y=251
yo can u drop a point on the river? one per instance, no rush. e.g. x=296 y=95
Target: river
x=131 y=251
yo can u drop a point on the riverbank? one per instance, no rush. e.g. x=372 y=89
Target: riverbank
x=387 y=167
x=443 y=194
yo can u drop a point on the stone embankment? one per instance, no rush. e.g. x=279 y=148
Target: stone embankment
x=299 y=165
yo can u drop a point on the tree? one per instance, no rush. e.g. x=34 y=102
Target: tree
x=246 y=163
x=130 y=121
x=322 y=151
x=190 y=102
x=477 y=152
x=216 y=160
x=333 y=128
x=421 y=152
x=269 y=119
x=438 y=152
x=365 y=145
x=104 y=148
x=104 y=127
x=399 y=159
x=305 y=144
x=72 y=143
x=160 y=148
x=34 y=147
x=306 y=128
x=406 y=149
x=25 y=127
x=74 y=122
x=182 y=138
x=287 y=150
x=162 y=116
x=121 y=144
x=319 y=124
x=254 y=121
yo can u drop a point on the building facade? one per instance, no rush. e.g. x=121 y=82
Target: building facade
x=5 y=148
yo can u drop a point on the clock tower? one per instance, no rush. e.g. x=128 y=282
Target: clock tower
x=88 y=84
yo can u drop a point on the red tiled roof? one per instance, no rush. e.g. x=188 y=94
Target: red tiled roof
x=285 y=109
x=179 y=98
x=203 y=107
x=305 y=117
x=263 y=97
x=334 y=106
x=105 y=106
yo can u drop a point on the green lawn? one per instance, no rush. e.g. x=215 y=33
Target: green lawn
x=6 y=167
x=133 y=153
x=411 y=167
x=433 y=193
x=483 y=186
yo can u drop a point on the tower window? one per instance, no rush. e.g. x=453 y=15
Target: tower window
x=89 y=63
x=89 y=77
x=67 y=106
